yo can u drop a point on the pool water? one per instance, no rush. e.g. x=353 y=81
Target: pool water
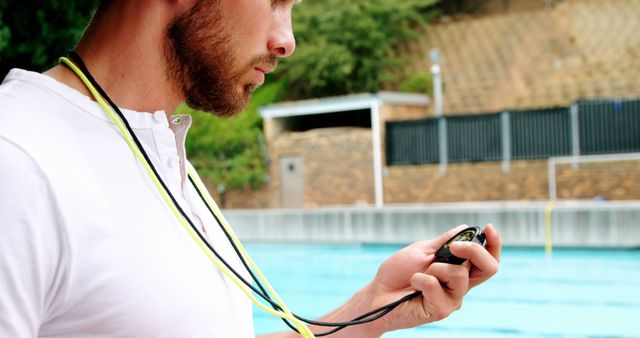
x=575 y=293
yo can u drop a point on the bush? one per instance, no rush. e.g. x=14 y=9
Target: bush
x=33 y=34
x=421 y=82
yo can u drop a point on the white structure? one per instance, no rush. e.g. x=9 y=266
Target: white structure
x=370 y=102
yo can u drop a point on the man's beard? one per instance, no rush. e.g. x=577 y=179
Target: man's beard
x=200 y=61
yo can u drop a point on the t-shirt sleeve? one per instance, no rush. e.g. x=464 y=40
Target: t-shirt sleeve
x=31 y=244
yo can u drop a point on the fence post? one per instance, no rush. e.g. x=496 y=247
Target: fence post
x=575 y=133
x=506 y=141
x=442 y=134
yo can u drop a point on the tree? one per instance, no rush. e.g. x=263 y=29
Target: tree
x=33 y=34
x=348 y=46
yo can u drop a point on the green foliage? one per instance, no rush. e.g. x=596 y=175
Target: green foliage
x=421 y=82
x=348 y=46
x=33 y=34
x=230 y=151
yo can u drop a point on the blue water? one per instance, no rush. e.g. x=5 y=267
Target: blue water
x=576 y=293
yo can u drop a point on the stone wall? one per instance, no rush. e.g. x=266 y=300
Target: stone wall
x=338 y=165
x=466 y=182
x=526 y=180
x=338 y=170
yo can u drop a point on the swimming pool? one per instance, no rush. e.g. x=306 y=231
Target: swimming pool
x=576 y=293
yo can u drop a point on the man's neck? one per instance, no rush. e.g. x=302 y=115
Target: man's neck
x=127 y=61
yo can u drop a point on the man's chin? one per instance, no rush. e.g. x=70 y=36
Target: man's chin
x=226 y=105
x=220 y=110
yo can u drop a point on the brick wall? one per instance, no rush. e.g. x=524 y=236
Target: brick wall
x=338 y=165
x=466 y=182
x=345 y=176
x=526 y=180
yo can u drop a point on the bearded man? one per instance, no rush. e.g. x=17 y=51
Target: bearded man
x=89 y=246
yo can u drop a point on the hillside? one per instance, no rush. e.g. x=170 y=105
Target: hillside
x=534 y=58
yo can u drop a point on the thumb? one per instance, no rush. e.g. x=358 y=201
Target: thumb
x=430 y=246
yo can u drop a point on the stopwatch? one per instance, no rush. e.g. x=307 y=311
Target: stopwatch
x=470 y=234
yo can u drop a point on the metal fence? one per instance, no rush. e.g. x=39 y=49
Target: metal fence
x=540 y=133
x=413 y=142
x=586 y=127
x=609 y=126
x=474 y=138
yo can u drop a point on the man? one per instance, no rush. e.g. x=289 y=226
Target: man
x=89 y=248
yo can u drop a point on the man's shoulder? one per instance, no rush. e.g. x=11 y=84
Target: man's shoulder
x=19 y=84
x=33 y=105
x=25 y=99
x=45 y=119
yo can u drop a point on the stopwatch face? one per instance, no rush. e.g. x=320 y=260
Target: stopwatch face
x=464 y=236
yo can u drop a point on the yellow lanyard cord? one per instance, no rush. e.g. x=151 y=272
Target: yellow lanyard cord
x=213 y=206
x=245 y=255
x=285 y=314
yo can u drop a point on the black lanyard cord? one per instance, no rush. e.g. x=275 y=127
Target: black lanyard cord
x=365 y=318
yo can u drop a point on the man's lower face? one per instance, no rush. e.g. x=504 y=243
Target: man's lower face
x=201 y=59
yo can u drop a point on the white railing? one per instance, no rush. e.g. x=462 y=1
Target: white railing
x=573 y=223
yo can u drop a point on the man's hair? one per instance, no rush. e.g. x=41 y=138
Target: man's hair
x=102 y=6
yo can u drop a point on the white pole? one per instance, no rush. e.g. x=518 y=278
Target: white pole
x=377 y=155
x=434 y=57
x=437 y=89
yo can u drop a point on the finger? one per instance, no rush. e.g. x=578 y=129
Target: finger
x=484 y=265
x=494 y=241
x=475 y=253
x=454 y=278
x=437 y=303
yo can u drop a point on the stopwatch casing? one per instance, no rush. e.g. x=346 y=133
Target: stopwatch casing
x=470 y=234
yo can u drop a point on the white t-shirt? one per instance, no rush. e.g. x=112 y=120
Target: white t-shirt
x=88 y=248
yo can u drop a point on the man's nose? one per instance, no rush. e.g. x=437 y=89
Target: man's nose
x=282 y=42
